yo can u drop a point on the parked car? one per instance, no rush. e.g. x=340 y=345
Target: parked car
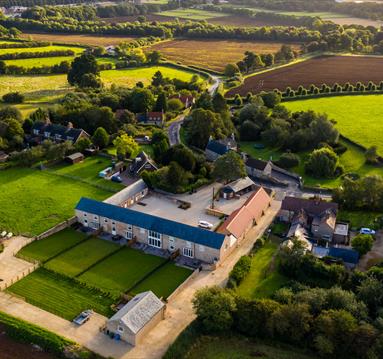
x=117 y=179
x=205 y=224
x=367 y=231
x=3 y=234
x=83 y=317
x=9 y=235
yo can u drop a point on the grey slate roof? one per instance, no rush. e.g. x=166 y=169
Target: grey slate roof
x=138 y=311
x=217 y=147
x=143 y=220
x=239 y=184
x=127 y=192
x=56 y=129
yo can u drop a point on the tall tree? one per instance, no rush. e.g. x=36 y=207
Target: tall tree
x=229 y=167
x=100 y=138
x=84 y=64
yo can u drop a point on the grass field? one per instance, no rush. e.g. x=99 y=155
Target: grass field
x=51 y=61
x=213 y=54
x=263 y=279
x=164 y=281
x=81 y=257
x=242 y=348
x=98 y=40
x=33 y=201
x=121 y=271
x=47 y=88
x=88 y=171
x=76 y=50
x=59 y=296
x=51 y=246
x=360 y=118
x=191 y=14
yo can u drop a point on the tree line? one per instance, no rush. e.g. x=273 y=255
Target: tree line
x=36 y=54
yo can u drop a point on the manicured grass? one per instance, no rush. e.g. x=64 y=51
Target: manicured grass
x=51 y=246
x=164 y=281
x=357 y=117
x=59 y=296
x=88 y=171
x=192 y=14
x=242 y=348
x=121 y=271
x=263 y=279
x=81 y=257
x=33 y=201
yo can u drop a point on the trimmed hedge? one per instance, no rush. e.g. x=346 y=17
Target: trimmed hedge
x=37 y=54
x=239 y=271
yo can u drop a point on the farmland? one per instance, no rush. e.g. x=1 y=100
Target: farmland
x=81 y=39
x=191 y=14
x=358 y=118
x=213 y=54
x=75 y=49
x=106 y=268
x=320 y=70
x=48 y=87
x=33 y=201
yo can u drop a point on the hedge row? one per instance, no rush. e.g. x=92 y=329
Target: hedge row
x=24 y=45
x=34 y=55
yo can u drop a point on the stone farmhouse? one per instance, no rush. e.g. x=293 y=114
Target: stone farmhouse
x=57 y=133
x=217 y=148
x=203 y=245
x=315 y=218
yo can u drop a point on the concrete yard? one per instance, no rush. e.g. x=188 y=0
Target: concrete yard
x=167 y=206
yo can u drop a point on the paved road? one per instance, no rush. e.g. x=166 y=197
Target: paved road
x=174 y=128
x=179 y=313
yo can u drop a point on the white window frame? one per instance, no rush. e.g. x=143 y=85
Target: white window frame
x=129 y=227
x=171 y=244
x=129 y=234
x=188 y=252
x=154 y=239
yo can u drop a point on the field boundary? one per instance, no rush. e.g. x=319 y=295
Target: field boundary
x=6 y=284
x=183 y=285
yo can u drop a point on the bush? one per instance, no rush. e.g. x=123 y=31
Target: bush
x=288 y=160
x=13 y=97
x=239 y=271
x=362 y=243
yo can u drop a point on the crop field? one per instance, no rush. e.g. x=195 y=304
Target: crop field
x=81 y=257
x=88 y=171
x=320 y=70
x=213 y=54
x=33 y=201
x=359 y=118
x=53 y=245
x=164 y=281
x=191 y=14
x=121 y=271
x=89 y=40
x=59 y=295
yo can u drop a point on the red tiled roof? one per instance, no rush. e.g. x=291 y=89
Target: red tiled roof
x=243 y=218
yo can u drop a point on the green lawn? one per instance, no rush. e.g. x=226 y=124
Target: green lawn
x=242 y=348
x=263 y=279
x=192 y=14
x=164 y=281
x=121 y=271
x=357 y=117
x=88 y=171
x=81 y=257
x=59 y=296
x=51 y=246
x=33 y=201
x=358 y=219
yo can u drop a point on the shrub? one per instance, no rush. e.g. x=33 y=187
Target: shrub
x=239 y=271
x=288 y=160
x=323 y=163
x=13 y=97
x=362 y=243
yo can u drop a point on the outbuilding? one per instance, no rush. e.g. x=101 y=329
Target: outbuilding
x=141 y=314
x=75 y=158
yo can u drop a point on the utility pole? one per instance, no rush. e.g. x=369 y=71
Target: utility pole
x=212 y=200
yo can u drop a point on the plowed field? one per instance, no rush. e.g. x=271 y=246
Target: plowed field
x=321 y=70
